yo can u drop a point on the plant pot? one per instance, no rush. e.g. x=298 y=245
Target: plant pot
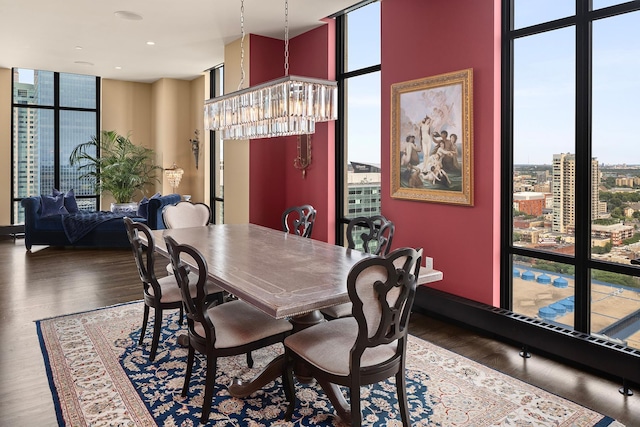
x=124 y=207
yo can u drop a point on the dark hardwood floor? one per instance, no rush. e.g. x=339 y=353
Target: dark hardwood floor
x=54 y=281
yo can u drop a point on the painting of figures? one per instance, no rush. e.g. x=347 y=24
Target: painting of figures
x=432 y=139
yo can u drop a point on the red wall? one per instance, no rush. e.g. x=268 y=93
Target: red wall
x=422 y=38
x=275 y=183
x=267 y=158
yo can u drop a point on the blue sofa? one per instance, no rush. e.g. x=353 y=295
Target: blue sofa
x=111 y=233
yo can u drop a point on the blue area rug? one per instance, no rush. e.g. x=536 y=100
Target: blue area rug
x=100 y=376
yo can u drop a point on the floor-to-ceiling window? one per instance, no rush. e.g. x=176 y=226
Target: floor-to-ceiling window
x=571 y=204
x=358 y=125
x=52 y=113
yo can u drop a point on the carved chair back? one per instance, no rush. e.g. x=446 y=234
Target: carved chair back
x=375 y=233
x=299 y=220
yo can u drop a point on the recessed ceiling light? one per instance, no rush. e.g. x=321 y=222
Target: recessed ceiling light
x=83 y=63
x=150 y=43
x=125 y=14
x=118 y=68
x=78 y=47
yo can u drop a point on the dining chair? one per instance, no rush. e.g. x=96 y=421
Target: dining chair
x=159 y=293
x=228 y=329
x=186 y=214
x=371 y=345
x=183 y=215
x=299 y=220
x=375 y=234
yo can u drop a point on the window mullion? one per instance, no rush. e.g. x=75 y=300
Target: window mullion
x=583 y=180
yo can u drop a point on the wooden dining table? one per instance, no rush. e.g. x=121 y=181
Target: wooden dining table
x=282 y=274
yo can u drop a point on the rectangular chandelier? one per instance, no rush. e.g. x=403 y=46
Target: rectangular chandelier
x=290 y=105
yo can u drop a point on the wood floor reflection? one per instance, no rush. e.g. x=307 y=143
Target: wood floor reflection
x=54 y=281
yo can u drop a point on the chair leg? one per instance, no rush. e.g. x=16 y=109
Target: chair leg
x=187 y=374
x=209 y=385
x=354 y=398
x=249 y=359
x=157 y=327
x=289 y=386
x=401 y=384
x=181 y=314
x=144 y=324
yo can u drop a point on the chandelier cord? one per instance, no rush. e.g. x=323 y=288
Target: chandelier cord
x=241 y=45
x=286 y=37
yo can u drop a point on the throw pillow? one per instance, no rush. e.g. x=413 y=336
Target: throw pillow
x=52 y=205
x=70 y=203
x=143 y=206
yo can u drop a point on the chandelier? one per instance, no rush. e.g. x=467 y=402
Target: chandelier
x=290 y=105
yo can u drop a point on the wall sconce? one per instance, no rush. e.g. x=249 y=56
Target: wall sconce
x=303 y=160
x=195 y=146
x=174 y=175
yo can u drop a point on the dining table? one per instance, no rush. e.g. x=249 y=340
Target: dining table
x=282 y=274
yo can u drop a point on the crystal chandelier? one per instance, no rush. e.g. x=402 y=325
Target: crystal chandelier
x=290 y=105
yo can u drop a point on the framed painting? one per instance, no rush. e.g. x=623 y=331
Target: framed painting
x=432 y=139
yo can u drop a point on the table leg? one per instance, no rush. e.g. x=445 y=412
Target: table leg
x=273 y=370
x=337 y=399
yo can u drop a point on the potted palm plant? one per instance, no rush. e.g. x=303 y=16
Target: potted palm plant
x=116 y=165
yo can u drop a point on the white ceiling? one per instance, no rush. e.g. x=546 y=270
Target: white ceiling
x=189 y=35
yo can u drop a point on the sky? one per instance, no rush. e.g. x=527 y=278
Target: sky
x=364 y=103
x=544 y=91
x=544 y=86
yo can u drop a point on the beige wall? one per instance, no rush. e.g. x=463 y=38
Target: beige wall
x=236 y=152
x=177 y=110
x=163 y=116
x=195 y=178
x=126 y=109
x=5 y=146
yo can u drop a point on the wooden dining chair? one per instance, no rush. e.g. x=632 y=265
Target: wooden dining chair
x=228 y=329
x=183 y=215
x=186 y=214
x=159 y=293
x=299 y=220
x=368 y=347
x=372 y=235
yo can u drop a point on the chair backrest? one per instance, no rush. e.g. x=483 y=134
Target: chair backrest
x=382 y=290
x=299 y=220
x=143 y=254
x=186 y=214
x=195 y=306
x=375 y=233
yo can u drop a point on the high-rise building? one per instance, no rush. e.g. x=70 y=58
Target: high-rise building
x=564 y=191
x=364 y=190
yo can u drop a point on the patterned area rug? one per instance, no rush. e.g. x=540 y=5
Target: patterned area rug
x=99 y=376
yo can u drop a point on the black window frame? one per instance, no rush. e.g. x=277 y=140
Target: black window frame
x=581 y=260
x=342 y=75
x=56 y=108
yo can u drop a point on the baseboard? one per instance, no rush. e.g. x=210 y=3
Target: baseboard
x=609 y=358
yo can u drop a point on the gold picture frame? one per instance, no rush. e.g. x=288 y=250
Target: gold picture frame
x=432 y=139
